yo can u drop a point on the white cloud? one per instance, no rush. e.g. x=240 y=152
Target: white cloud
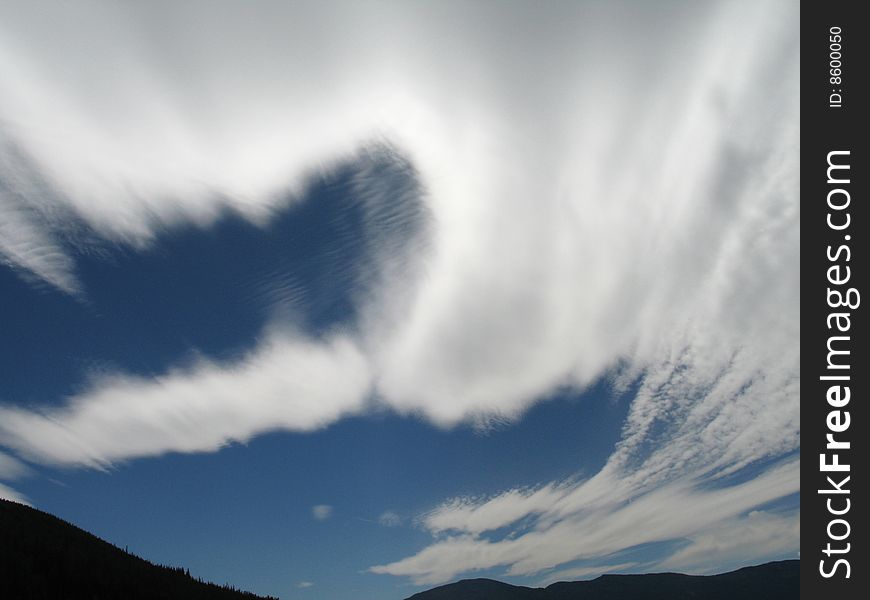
x=321 y=512
x=390 y=519
x=466 y=514
x=675 y=511
x=29 y=214
x=304 y=584
x=8 y=493
x=288 y=383
x=747 y=539
x=10 y=470
x=567 y=242
x=629 y=213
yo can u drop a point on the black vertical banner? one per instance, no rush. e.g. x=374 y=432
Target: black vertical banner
x=834 y=262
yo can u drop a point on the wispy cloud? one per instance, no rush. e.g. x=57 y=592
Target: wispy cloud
x=746 y=539
x=31 y=216
x=321 y=512
x=8 y=493
x=630 y=215
x=304 y=584
x=287 y=383
x=550 y=265
x=614 y=521
x=390 y=519
x=10 y=470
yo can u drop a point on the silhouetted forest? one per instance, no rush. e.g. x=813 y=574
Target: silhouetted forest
x=43 y=557
x=771 y=581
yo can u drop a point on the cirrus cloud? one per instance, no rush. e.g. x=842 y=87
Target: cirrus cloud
x=630 y=214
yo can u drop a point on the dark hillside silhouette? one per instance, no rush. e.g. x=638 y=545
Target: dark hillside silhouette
x=43 y=557
x=771 y=581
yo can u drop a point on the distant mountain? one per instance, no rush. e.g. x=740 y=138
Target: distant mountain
x=43 y=557
x=771 y=581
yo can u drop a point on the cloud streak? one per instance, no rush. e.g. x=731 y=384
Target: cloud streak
x=10 y=470
x=287 y=383
x=30 y=216
x=671 y=512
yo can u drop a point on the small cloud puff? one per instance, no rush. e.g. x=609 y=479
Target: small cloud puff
x=321 y=512
x=390 y=519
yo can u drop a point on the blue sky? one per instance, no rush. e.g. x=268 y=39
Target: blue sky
x=312 y=302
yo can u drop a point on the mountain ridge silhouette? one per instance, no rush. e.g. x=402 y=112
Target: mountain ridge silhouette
x=44 y=557
x=778 y=580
